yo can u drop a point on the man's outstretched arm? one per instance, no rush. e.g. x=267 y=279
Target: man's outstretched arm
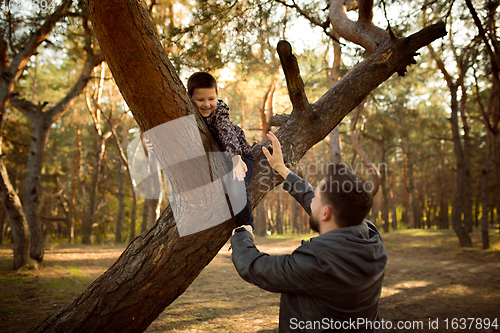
x=298 y=273
x=300 y=189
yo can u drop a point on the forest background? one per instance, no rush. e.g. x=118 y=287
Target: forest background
x=428 y=141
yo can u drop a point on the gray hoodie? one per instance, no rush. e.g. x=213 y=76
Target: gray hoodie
x=331 y=283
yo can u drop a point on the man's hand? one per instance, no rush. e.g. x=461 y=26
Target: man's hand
x=276 y=159
x=239 y=168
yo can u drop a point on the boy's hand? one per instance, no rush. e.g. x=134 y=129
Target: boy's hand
x=276 y=159
x=247 y=227
x=239 y=168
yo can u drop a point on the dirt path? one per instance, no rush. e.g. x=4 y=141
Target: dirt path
x=427 y=278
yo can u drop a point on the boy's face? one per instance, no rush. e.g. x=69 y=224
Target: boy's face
x=205 y=100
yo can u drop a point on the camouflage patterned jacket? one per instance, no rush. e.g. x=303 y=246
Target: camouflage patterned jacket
x=230 y=137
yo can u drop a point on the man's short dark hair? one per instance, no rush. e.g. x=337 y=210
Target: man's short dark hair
x=347 y=194
x=201 y=80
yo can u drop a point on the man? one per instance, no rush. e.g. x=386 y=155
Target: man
x=331 y=282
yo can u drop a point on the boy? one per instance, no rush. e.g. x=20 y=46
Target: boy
x=202 y=88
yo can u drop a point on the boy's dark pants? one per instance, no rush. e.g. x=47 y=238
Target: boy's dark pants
x=245 y=217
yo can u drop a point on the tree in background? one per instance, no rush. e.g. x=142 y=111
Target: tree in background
x=487 y=33
x=41 y=122
x=14 y=56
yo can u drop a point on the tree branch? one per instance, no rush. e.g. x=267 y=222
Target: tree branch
x=482 y=33
x=27 y=108
x=365 y=11
x=304 y=14
x=441 y=66
x=91 y=61
x=428 y=176
x=339 y=100
x=278 y=119
x=294 y=82
x=392 y=57
x=486 y=115
x=112 y=127
x=88 y=103
x=361 y=32
x=374 y=139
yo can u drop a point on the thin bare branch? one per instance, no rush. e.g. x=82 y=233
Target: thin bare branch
x=482 y=33
x=304 y=14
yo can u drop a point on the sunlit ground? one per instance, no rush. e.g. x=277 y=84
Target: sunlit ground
x=427 y=276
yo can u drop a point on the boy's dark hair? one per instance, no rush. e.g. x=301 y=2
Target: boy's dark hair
x=201 y=80
x=347 y=194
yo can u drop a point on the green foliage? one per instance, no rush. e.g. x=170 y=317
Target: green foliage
x=236 y=41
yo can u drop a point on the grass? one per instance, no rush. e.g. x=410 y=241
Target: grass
x=290 y=236
x=443 y=239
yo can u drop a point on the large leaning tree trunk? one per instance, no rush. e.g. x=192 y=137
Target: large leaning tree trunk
x=159 y=265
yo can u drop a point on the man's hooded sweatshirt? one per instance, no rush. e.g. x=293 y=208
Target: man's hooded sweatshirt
x=331 y=281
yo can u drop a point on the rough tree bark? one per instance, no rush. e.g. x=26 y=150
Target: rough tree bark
x=159 y=265
x=146 y=214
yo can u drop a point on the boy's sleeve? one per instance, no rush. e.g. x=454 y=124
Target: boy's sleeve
x=300 y=189
x=225 y=132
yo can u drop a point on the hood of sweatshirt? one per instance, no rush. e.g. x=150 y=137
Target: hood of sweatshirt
x=361 y=245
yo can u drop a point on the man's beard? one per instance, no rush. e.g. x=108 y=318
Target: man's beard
x=313 y=223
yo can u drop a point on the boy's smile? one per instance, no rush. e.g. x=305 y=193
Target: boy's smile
x=205 y=100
